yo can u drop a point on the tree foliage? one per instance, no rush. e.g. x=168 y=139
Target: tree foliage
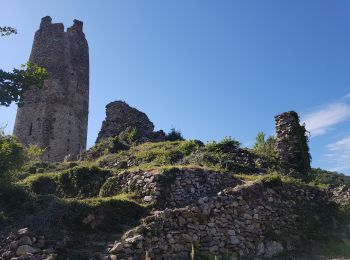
x=14 y=84
x=12 y=155
x=225 y=145
x=265 y=147
x=174 y=135
x=34 y=153
x=6 y=31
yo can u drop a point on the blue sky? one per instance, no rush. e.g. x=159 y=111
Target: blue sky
x=209 y=68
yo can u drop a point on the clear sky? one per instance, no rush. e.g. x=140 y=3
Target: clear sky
x=209 y=68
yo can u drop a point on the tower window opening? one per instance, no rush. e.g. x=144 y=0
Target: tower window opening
x=30 y=129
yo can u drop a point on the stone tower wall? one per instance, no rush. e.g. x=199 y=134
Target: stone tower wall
x=56 y=116
x=291 y=142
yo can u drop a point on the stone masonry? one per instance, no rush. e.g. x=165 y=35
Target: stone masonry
x=122 y=117
x=175 y=188
x=56 y=116
x=291 y=142
x=246 y=221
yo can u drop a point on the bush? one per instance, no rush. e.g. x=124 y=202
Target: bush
x=12 y=156
x=44 y=184
x=106 y=146
x=323 y=177
x=272 y=180
x=34 y=153
x=107 y=214
x=129 y=136
x=164 y=153
x=225 y=145
x=82 y=181
x=265 y=147
x=15 y=201
x=174 y=135
x=111 y=187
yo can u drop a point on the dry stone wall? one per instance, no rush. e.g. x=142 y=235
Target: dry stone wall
x=25 y=245
x=341 y=195
x=244 y=221
x=172 y=188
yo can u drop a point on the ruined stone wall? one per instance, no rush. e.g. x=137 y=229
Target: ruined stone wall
x=122 y=117
x=251 y=220
x=176 y=188
x=291 y=142
x=340 y=195
x=56 y=116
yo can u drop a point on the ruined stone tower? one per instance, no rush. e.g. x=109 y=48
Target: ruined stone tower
x=56 y=116
x=291 y=142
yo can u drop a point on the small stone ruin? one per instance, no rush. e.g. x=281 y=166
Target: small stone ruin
x=121 y=117
x=291 y=142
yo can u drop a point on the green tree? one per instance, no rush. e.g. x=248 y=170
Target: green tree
x=6 y=30
x=265 y=147
x=12 y=156
x=225 y=145
x=34 y=153
x=14 y=84
x=174 y=135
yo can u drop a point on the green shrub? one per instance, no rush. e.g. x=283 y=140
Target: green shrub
x=130 y=136
x=12 y=156
x=34 y=153
x=82 y=181
x=272 y=180
x=15 y=201
x=225 y=145
x=323 y=177
x=164 y=153
x=106 y=146
x=107 y=214
x=174 y=135
x=265 y=147
x=44 y=184
x=111 y=187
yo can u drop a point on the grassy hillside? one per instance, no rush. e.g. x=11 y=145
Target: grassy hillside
x=72 y=197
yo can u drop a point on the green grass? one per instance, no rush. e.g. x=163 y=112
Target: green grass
x=80 y=181
x=334 y=249
x=109 y=214
x=215 y=156
x=276 y=176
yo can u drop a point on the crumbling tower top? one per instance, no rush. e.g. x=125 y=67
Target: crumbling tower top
x=55 y=116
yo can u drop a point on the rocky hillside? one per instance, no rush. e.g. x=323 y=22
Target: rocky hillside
x=129 y=197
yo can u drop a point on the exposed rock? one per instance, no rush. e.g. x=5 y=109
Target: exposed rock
x=116 y=248
x=23 y=246
x=23 y=232
x=25 y=241
x=273 y=248
x=122 y=117
x=13 y=245
x=25 y=249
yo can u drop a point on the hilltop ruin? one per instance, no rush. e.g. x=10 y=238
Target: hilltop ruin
x=56 y=116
